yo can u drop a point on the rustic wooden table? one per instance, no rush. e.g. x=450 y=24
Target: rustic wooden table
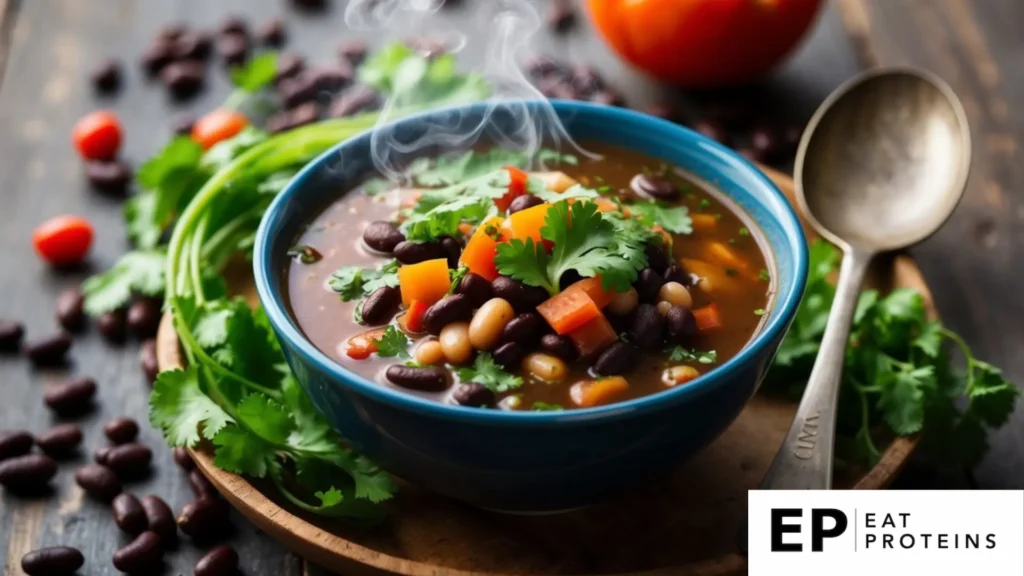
x=47 y=47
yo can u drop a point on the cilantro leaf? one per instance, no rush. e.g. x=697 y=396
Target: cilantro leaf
x=393 y=343
x=680 y=354
x=675 y=219
x=902 y=398
x=179 y=408
x=137 y=272
x=545 y=407
x=444 y=219
x=169 y=181
x=525 y=261
x=353 y=282
x=257 y=73
x=487 y=372
x=266 y=418
x=240 y=452
x=573 y=192
x=454 y=168
x=456 y=275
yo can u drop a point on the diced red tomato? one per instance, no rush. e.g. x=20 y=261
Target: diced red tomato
x=516 y=187
x=414 y=316
x=361 y=346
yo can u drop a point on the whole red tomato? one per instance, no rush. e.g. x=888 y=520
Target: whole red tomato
x=703 y=43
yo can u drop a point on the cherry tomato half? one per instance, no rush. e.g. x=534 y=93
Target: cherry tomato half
x=97 y=136
x=218 y=126
x=63 y=240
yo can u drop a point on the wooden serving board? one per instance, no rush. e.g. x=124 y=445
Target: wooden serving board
x=683 y=524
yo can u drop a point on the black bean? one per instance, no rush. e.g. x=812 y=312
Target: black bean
x=296 y=90
x=540 y=65
x=182 y=124
x=560 y=346
x=289 y=65
x=621 y=322
x=352 y=50
x=647 y=327
x=476 y=288
x=98 y=481
x=102 y=454
x=110 y=177
x=71 y=310
x=273 y=32
x=303 y=114
x=233 y=24
x=452 y=249
x=49 y=351
x=569 y=277
x=233 y=49
x=54 y=561
x=711 y=129
x=160 y=518
x=27 y=473
x=221 y=561
x=148 y=360
x=415 y=252
x=585 y=79
x=106 y=76
x=451 y=308
x=111 y=325
x=560 y=15
x=170 y=32
x=60 y=441
x=675 y=273
x=681 y=322
x=203 y=519
x=183 y=79
x=648 y=284
x=144 y=317
x=73 y=396
x=183 y=459
x=352 y=101
x=608 y=97
x=473 y=394
x=522 y=297
x=200 y=486
x=656 y=257
x=192 y=45
x=509 y=355
x=425 y=378
x=157 y=56
x=279 y=122
x=130 y=459
x=121 y=430
x=383 y=236
x=332 y=77
x=523 y=329
x=523 y=202
x=141 y=556
x=616 y=360
x=15 y=443
x=654 y=187
x=380 y=307
x=11 y=334
x=129 y=515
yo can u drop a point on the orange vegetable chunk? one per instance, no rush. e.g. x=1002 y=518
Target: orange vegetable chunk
x=726 y=256
x=568 y=310
x=526 y=223
x=427 y=281
x=704 y=222
x=516 y=187
x=590 y=393
x=481 y=249
x=361 y=346
x=594 y=336
x=592 y=286
x=414 y=316
x=707 y=317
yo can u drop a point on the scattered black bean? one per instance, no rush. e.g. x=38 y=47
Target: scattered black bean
x=121 y=430
x=560 y=15
x=675 y=273
x=60 y=441
x=160 y=518
x=509 y=355
x=523 y=202
x=110 y=177
x=102 y=454
x=49 y=351
x=141 y=556
x=73 y=396
x=27 y=473
x=220 y=561
x=111 y=325
x=11 y=334
x=332 y=77
x=233 y=49
x=648 y=325
x=130 y=459
x=710 y=129
x=380 y=307
x=352 y=50
x=233 y=25
x=654 y=187
x=54 y=561
x=523 y=329
x=71 y=309
x=648 y=284
x=408 y=252
x=617 y=359
x=682 y=325
x=383 y=236
x=352 y=101
x=98 y=481
x=289 y=65
x=129 y=515
x=148 y=360
x=15 y=443
x=106 y=76
x=157 y=56
x=522 y=297
x=425 y=378
x=273 y=32
x=296 y=90
x=182 y=124
x=452 y=308
x=200 y=486
x=586 y=80
x=144 y=317
x=656 y=257
x=452 y=249
x=569 y=277
x=192 y=45
x=476 y=288
x=203 y=519
x=473 y=394
x=560 y=346
x=183 y=79
x=183 y=459
x=303 y=114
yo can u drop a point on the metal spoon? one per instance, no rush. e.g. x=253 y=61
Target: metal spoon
x=881 y=166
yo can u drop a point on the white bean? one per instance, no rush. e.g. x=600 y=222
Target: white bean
x=545 y=367
x=488 y=322
x=624 y=302
x=675 y=294
x=429 y=353
x=455 y=343
x=678 y=375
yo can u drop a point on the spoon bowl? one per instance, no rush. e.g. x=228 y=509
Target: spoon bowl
x=884 y=161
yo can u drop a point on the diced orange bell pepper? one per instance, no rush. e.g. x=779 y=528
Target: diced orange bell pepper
x=516 y=187
x=726 y=256
x=479 y=253
x=427 y=281
x=361 y=346
x=526 y=223
x=594 y=336
x=592 y=286
x=568 y=310
x=414 y=316
x=590 y=393
x=707 y=317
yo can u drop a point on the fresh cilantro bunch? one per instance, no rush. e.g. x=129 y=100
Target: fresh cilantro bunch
x=583 y=240
x=898 y=377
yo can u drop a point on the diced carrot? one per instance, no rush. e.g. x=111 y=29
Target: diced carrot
x=594 y=336
x=361 y=346
x=704 y=222
x=713 y=278
x=556 y=181
x=568 y=310
x=427 y=281
x=605 y=205
x=590 y=393
x=725 y=256
x=516 y=187
x=414 y=316
x=526 y=223
x=592 y=286
x=707 y=317
x=481 y=249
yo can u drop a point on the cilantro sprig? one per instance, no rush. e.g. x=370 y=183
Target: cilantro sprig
x=490 y=374
x=355 y=282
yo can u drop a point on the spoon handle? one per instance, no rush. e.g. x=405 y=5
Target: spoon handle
x=804 y=462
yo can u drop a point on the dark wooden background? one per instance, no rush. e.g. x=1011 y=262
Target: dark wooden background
x=48 y=46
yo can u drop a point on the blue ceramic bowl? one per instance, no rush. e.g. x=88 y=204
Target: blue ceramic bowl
x=535 y=461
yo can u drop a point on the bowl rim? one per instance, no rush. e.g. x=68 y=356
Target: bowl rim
x=272 y=298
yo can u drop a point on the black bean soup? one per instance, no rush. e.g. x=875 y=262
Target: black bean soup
x=585 y=283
